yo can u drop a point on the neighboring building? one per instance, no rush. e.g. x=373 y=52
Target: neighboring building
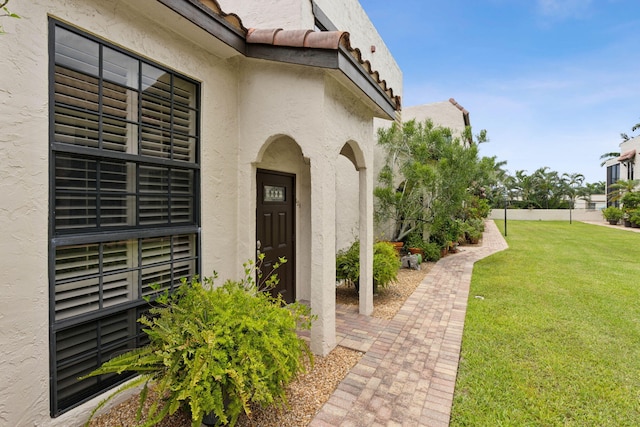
x=150 y=140
x=597 y=202
x=624 y=166
x=448 y=114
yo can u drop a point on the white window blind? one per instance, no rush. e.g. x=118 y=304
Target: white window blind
x=124 y=150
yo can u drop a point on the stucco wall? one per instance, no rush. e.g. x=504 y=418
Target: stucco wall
x=286 y=14
x=443 y=114
x=625 y=146
x=302 y=135
x=547 y=215
x=346 y=15
x=24 y=179
x=246 y=106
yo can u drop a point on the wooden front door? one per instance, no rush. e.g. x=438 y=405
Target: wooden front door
x=275 y=228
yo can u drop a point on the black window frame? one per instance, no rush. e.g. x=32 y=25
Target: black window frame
x=169 y=233
x=613 y=176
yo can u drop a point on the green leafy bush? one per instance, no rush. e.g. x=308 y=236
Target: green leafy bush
x=431 y=251
x=631 y=200
x=385 y=265
x=612 y=213
x=348 y=264
x=634 y=216
x=217 y=350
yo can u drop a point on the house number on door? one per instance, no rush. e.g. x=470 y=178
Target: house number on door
x=274 y=193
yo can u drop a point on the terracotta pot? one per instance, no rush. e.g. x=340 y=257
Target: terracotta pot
x=416 y=251
x=398 y=246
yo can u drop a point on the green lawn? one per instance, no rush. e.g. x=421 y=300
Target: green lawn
x=554 y=339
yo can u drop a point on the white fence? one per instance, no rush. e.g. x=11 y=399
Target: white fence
x=547 y=214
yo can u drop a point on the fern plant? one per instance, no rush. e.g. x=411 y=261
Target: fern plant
x=216 y=350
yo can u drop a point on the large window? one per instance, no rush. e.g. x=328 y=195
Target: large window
x=613 y=176
x=124 y=175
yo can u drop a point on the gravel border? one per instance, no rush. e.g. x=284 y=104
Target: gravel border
x=310 y=390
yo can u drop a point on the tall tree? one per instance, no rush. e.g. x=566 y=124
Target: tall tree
x=427 y=177
x=572 y=185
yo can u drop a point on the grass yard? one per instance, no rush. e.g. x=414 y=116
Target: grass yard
x=552 y=331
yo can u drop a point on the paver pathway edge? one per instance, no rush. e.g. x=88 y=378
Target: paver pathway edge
x=407 y=375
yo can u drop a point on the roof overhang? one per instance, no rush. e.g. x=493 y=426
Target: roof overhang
x=627 y=155
x=338 y=59
x=225 y=27
x=327 y=50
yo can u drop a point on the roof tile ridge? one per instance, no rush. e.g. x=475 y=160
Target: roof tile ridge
x=231 y=18
x=457 y=105
x=330 y=40
x=262 y=35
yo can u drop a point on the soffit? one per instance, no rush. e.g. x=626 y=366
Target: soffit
x=324 y=49
x=331 y=49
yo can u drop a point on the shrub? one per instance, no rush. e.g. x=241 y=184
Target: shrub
x=634 y=216
x=431 y=251
x=348 y=264
x=385 y=265
x=631 y=200
x=612 y=213
x=216 y=350
x=478 y=208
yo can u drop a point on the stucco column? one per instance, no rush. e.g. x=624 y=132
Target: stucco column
x=366 y=241
x=323 y=255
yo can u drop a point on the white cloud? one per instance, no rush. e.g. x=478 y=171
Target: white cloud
x=564 y=9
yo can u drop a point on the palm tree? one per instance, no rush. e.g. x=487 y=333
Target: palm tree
x=589 y=189
x=634 y=128
x=609 y=156
x=573 y=184
x=620 y=188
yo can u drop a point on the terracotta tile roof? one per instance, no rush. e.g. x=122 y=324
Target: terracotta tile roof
x=627 y=155
x=231 y=18
x=460 y=107
x=330 y=40
x=465 y=113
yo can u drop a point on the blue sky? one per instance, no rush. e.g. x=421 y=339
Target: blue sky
x=554 y=82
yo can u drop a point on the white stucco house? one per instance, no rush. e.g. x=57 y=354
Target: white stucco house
x=144 y=141
x=624 y=166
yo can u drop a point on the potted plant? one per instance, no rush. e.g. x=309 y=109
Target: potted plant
x=634 y=218
x=612 y=214
x=630 y=202
x=215 y=350
x=414 y=244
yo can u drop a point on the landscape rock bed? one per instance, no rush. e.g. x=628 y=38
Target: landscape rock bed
x=311 y=390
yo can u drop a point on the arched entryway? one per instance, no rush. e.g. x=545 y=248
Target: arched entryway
x=354 y=218
x=282 y=212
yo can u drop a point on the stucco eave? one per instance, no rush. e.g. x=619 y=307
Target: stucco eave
x=329 y=59
x=322 y=58
x=365 y=82
x=213 y=24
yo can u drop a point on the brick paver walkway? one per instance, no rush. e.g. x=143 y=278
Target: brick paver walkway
x=407 y=375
